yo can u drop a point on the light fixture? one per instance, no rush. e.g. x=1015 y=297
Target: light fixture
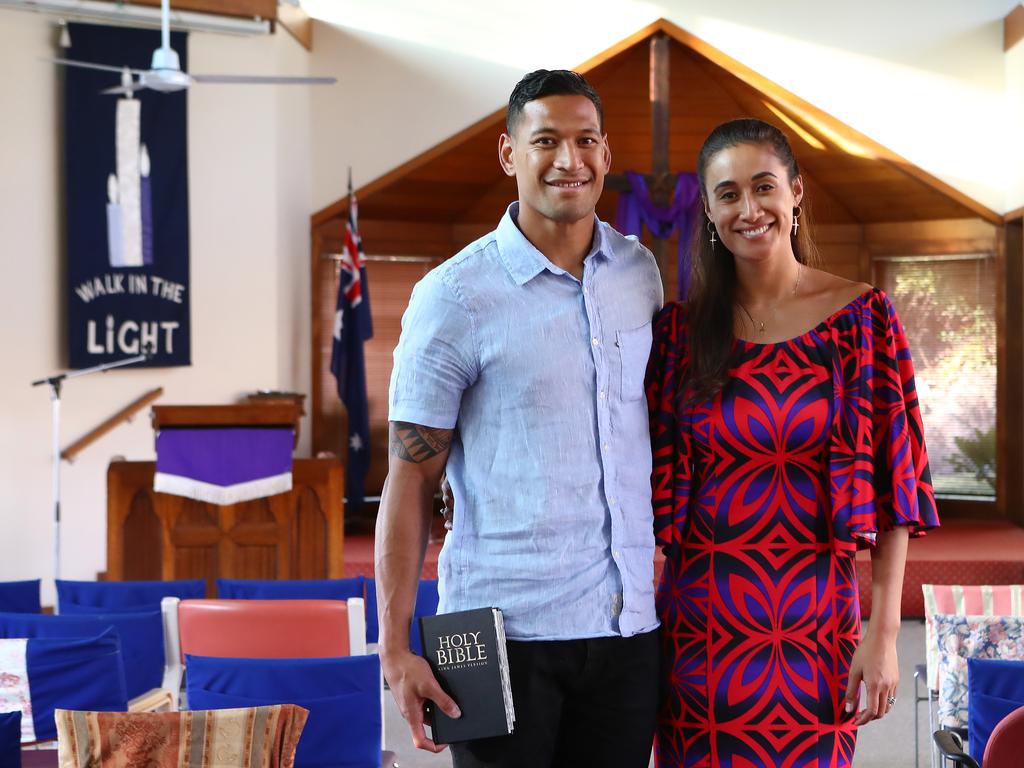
x=122 y=14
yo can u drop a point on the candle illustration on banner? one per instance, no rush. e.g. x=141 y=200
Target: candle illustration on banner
x=129 y=192
x=114 y=224
x=146 y=206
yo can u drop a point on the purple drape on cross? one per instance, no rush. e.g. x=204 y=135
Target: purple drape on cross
x=637 y=209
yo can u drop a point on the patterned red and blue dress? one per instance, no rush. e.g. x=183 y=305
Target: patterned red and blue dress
x=762 y=496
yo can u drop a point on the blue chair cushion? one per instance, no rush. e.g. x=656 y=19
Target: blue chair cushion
x=20 y=596
x=141 y=636
x=426 y=605
x=995 y=688
x=74 y=673
x=123 y=596
x=10 y=739
x=370 y=595
x=342 y=696
x=293 y=589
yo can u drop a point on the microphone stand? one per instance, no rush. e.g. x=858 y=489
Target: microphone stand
x=55 y=383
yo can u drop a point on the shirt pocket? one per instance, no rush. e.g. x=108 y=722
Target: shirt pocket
x=634 y=348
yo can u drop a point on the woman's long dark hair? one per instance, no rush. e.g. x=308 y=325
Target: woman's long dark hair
x=712 y=294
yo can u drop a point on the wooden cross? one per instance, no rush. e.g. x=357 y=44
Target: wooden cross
x=660 y=181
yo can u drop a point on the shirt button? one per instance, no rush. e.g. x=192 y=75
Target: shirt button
x=615 y=553
x=605 y=446
x=595 y=341
x=601 y=394
x=612 y=501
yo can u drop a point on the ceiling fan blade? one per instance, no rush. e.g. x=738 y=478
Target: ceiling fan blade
x=121 y=90
x=90 y=65
x=254 y=79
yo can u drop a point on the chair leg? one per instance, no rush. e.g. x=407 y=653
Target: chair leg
x=917 y=726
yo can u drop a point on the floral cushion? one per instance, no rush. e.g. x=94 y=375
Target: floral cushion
x=962 y=637
x=965 y=600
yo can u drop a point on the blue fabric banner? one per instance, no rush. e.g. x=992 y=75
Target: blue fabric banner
x=127 y=205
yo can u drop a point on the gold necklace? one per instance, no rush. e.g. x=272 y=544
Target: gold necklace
x=759 y=324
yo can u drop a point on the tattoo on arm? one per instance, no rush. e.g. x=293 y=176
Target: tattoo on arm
x=415 y=443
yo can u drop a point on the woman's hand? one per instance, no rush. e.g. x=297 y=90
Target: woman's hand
x=876 y=665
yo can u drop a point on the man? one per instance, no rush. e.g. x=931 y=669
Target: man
x=521 y=367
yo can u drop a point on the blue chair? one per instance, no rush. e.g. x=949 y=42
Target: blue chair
x=65 y=673
x=343 y=696
x=291 y=589
x=141 y=636
x=995 y=688
x=372 y=627
x=19 y=596
x=10 y=739
x=426 y=605
x=123 y=596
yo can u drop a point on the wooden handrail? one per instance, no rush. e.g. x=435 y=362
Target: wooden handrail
x=124 y=414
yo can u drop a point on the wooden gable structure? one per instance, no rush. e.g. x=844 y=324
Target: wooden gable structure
x=865 y=199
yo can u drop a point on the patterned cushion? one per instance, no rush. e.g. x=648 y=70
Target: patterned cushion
x=259 y=737
x=975 y=600
x=962 y=637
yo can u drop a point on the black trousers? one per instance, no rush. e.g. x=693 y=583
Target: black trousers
x=587 y=703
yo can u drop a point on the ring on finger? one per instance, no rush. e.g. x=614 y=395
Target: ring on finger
x=891 y=701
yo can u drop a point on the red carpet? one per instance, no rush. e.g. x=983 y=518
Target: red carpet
x=960 y=552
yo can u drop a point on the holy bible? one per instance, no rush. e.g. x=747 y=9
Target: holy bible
x=466 y=651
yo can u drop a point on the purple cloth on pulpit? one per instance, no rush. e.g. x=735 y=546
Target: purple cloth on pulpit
x=636 y=209
x=224 y=466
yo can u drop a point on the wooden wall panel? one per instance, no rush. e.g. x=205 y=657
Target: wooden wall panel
x=930 y=237
x=841 y=248
x=142 y=526
x=1010 y=394
x=264 y=9
x=309 y=537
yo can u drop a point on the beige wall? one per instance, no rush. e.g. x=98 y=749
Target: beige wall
x=925 y=79
x=1014 y=145
x=249 y=187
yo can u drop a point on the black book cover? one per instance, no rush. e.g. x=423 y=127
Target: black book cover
x=466 y=651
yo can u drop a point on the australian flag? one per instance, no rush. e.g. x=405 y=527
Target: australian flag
x=352 y=327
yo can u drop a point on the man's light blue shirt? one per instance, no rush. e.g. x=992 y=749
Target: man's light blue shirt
x=541 y=375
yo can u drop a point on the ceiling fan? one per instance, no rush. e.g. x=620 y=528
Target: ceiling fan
x=165 y=73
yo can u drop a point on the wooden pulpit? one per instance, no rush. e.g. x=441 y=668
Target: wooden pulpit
x=293 y=535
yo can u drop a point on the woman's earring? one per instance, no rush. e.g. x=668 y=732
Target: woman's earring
x=796 y=219
x=710 y=226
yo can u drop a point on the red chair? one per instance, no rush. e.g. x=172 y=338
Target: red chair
x=259 y=629
x=1006 y=745
x=1004 y=748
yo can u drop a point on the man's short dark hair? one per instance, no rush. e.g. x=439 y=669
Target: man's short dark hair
x=549 y=82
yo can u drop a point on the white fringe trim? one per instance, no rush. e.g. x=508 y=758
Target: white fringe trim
x=222 y=494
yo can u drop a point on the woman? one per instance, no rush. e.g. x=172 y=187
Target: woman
x=786 y=434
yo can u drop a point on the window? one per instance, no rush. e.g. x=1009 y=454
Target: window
x=948 y=308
